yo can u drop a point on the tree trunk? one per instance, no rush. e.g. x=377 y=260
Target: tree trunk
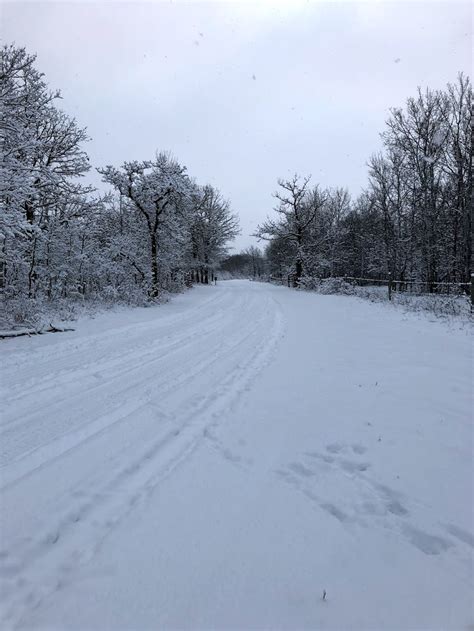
x=32 y=272
x=299 y=271
x=154 y=266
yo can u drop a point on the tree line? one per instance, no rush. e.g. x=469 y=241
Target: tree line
x=156 y=230
x=413 y=220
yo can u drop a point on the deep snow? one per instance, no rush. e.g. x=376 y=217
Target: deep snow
x=220 y=461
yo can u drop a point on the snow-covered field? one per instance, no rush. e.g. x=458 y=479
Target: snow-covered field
x=223 y=460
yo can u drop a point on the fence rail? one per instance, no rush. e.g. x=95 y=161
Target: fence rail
x=394 y=285
x=385 y=281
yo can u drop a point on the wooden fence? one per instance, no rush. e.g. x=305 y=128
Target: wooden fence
x=393 y=285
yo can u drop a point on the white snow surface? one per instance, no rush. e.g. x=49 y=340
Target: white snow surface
x=220 y=461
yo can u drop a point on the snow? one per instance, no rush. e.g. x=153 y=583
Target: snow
x=223 y=460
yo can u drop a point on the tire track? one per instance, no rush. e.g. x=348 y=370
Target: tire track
x=82 y=517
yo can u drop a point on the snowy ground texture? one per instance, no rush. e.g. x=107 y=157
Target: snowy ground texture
x=439 y=305
x=219 y=461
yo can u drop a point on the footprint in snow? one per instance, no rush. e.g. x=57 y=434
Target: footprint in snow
x=300 y=469
x=230 y=456
x=52 y=537
x=396 y=508
x=385 y=501
x=336 y=512
x=353 y=467
x=288 y=477
x=428 y=544
x=335 y=448
x=462 y=535
x=323 y=457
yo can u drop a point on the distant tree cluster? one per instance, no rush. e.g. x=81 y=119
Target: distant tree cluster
x=249 y=263
x=157 y=230
x=414 y=218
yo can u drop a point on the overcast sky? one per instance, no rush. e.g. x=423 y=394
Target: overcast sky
x=242 y=93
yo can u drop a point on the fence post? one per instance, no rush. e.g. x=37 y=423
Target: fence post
x=390 y=285
x=472 y=292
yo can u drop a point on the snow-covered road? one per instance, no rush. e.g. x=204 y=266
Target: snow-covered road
x=221 y=460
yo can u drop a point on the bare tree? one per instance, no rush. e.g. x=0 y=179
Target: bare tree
x=297 y=210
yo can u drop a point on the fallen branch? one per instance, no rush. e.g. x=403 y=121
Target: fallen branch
x=30 y=332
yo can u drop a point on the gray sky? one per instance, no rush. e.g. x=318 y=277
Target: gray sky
x=242 y=93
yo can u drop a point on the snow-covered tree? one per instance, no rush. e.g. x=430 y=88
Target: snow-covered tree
x=42 y=157
x=213 y=226
x=156 y=190
x=414 y=218
x=60 y=241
